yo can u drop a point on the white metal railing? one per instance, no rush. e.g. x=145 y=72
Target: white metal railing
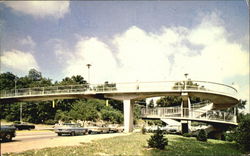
x=124 y=87
x=163 y=112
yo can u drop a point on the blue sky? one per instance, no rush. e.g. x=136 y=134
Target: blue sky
x=128 y=41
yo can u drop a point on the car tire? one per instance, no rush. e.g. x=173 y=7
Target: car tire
x=59 y=134
x=7 y=137
x=72 y=134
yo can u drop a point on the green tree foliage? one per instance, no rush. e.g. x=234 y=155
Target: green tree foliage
x=143 y=130
x=34 y=75
x=137 y=113
x=116 y=104
x=66 y=110
x=202 y=135
x=63 y=116
x=158 y=140
x=7 y=81
x=169 y=101
x=243 y=134
x=111 y=115
x=74 y=80
x=82 y=110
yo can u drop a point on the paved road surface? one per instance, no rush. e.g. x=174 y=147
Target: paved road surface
x=27 y=140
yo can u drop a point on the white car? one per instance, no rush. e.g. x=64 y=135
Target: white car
x=70 y=129
x=173 y=128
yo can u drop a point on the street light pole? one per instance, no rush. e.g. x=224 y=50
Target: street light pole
x=185 y=82
x=88 y=65
x=15 y=85
x=21 y=112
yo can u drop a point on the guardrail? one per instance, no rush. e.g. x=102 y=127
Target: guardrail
x=124 y=87
x=165 y=112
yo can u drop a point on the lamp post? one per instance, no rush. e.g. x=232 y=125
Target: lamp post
x=21 y=112
x=15 y=85
x=185 y=82
x=88 y=65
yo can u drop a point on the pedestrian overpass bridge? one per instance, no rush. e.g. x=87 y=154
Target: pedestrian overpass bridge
x=222 y=96
x=199 y=113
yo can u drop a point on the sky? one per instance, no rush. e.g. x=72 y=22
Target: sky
x=127 y=41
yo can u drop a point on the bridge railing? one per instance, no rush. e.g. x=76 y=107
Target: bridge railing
x=160 y=86
x=165 y=112
x=44 y=90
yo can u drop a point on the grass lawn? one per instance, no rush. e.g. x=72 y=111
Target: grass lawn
x=136 y=144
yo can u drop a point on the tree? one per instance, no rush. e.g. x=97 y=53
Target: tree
x=202 y=135
x=111 y=115
x=116 y=104
x=169 y=101
x=7 y=81
x=158 y=140
x=74 y=80
x=78 y=79
x=83 y=111
x=34 y=75
x=242 y=133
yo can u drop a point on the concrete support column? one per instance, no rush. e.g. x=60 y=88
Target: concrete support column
x=128 y=115
x=186 y=108
x=185 y=105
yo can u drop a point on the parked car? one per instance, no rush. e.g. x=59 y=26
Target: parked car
x=151 y=128
x=7 y=132
x=24 y=126
x=99 y=129
x=173 y=128
x=70 y=129
x=115 y=129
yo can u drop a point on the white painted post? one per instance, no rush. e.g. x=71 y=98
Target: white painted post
x=128 y=115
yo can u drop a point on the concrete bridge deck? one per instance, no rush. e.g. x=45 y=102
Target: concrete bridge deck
x=223 y=96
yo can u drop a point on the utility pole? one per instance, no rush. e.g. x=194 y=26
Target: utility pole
x=88 y=65
x=186 y=75
x=15 y=85
x=21 y=112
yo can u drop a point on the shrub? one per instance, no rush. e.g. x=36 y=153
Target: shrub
x=143 y=130
x=243 y=134
x=202 y=135
x=158 y=140
x=230 y=136
x=187 y=135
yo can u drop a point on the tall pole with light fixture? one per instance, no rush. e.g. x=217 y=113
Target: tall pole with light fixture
x=88 y=65
x=15 y=85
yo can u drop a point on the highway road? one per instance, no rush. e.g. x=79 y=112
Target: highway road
x=28 y=140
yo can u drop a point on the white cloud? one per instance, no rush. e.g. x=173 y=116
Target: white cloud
x=97 y=54
x=28 y=41
x=218 y=59
x=143 y=56
x=18 y=60
x=203 y=51
x=40 y=9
